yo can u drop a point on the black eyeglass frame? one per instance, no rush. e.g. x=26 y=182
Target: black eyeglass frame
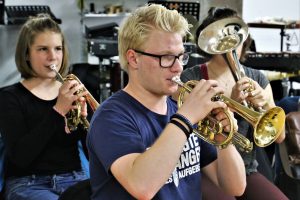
x=160 y=56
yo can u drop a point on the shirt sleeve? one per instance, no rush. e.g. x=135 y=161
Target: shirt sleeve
x=112 y=135
x=23 y=143
x=208 y=153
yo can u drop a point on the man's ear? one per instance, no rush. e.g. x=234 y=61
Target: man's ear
x=132 y=58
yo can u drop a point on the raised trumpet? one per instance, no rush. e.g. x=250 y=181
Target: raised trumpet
x=267 y=125
x=223 y=37
x=74 y=117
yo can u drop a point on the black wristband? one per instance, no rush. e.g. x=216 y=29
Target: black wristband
x=181 y=127
x=184 y=120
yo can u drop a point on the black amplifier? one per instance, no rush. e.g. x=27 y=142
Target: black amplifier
x=103 y=47
x=282 y=62
x=20 y=13
x=2 y=8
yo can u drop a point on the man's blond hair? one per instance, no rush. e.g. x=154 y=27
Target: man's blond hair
x=136 y=28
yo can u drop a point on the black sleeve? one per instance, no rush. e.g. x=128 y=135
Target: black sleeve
x=25 y=139
x=83 y=135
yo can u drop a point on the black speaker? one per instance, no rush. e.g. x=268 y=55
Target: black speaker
x=2 y=6
x=104 y=30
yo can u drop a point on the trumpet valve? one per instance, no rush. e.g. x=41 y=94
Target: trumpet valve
x=211 y=135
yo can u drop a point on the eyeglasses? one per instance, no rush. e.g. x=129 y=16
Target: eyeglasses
x=167 y=61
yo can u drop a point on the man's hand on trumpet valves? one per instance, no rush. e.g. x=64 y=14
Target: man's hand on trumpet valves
x=219 y=114
x=70 y=92
x=198 y=103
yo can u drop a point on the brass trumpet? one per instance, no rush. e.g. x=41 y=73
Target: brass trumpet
x=209 y=128
x=267 y=125
x=74 y=117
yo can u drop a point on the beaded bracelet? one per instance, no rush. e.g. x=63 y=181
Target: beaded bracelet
x=67 y=130
x=181 y=127
x=184 y=120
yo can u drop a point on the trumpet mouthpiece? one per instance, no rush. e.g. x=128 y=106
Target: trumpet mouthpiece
x=177 y=80
x=53 y=67
x=58 y=76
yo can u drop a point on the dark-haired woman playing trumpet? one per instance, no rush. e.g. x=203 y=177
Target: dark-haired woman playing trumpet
x=41 y=158
x=216 y=68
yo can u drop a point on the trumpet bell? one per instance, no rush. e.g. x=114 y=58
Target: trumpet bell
x=271 y=125
x=223 y=35
x=267 y=125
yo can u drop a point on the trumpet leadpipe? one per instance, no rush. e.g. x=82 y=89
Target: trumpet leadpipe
x=176 y=79
x=58 y=76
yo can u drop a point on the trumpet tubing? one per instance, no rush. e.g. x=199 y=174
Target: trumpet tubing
x=89 y=97
x=241 y=143
x=209 y=129
x=267 y=125
x=74 y=117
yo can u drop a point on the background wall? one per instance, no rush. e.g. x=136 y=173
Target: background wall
x=70 y=14
x=65 y=10
x=269 y=39
x=129 y=4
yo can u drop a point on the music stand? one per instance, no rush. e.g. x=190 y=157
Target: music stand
x=185 y=8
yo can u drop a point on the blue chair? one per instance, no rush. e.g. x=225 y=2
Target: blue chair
x=84 y=160
x=288 y=104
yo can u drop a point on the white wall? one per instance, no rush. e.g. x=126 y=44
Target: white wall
x=67 y=11
x=269 y=39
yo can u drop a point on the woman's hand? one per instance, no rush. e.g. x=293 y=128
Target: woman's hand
x=83 y=106
x=68 y=95
x=248 y=90
x=258 y=97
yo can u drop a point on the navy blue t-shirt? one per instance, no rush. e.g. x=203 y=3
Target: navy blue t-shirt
x=121 y=126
